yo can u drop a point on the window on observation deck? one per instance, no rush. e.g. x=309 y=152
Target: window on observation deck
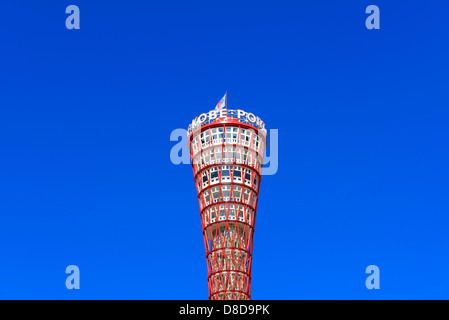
x=242 y=135
x=232 y=211
x=201 y=161
x=247 y=193
x=205 y=158
x=214 y=174
x=231 y=135
x=237 y=193
x=205 y=181
x=238 y=174
x=225 y=173
x=254 y=158
x=217 y=135
x=250 y=158
x=238 y=156
x=215 y=192
x=245 y=155
x=245 y=135
x=206 y=197
x=231 y=153
x=225 y=154
x=256 y=142
x=204 y=136
x=195 y=145
x=241 y=213
x=217 y=152
x=212 y=214
x=214 y=134
x=226 y=189
x=248 y=177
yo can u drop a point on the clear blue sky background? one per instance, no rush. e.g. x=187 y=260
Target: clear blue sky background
x=86 y=116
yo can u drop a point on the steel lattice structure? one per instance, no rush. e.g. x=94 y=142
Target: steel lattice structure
x=227 y=159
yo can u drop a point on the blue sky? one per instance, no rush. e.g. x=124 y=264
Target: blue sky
x=86 y=116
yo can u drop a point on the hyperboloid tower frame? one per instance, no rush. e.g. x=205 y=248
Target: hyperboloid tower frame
x=227 y=158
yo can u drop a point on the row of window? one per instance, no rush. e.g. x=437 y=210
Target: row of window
x=228 y=193
x=228 y=154
x=231 y=135
x=223 y=173
x=228 y=211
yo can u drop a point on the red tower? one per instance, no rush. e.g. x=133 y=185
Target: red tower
x=226 y=152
